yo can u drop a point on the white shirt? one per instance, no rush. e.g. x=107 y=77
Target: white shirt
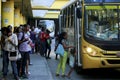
x=24 y=47
x=10 y=47
x=37 y=30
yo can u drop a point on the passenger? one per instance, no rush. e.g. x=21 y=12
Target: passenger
x=30 y=52
x=93 y=25
x=3 y=37
x=37 y=31
x=33 y=37
x=48 y=45
x=24 y=47
x=56 y=43
x=19 y=65
x=42 y=37
x=63 y=59
x=11 y=42
x=71 y=61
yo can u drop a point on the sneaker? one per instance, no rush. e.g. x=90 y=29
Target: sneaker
x=68 y=76
x=49 y=57
x=17 y=78
x=25 y=76
x=63 y=76
x=30 y=63
x=28 y=73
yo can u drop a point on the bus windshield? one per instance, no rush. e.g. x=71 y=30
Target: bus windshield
x=98 y=1
x=102 y=22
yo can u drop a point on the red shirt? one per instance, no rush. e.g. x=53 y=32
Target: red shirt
x=43 y=36
x=47 y=36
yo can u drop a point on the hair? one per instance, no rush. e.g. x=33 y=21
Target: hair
x=9 y=26
x=3 y=29
x=42 y=29
x=8 y=30
x=61 y=36
x=15 y=29
x=72 y=51
x=25 y=25
x=47 y=31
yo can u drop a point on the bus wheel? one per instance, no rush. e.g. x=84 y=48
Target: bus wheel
x=79 y=69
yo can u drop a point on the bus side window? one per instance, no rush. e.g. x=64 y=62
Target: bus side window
x=79 y=12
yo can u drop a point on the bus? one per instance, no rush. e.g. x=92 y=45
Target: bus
x=93 y=27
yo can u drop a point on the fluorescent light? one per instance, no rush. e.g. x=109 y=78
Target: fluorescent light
x=46 y=3
x=4 y=0
x=39 y=13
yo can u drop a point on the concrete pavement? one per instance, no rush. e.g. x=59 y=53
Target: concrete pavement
x=39 y=70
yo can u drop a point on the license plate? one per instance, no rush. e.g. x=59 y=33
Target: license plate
x=118 y=54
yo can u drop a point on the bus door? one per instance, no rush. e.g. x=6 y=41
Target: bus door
x=78 y=26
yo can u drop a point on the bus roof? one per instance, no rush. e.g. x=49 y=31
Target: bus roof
x=100 y=1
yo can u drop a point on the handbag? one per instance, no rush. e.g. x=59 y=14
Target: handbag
x=32 y=45
x=60 y=50
x=14 y=56
x=71 y=61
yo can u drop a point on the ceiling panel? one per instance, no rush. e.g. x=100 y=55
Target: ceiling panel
x=27 y=7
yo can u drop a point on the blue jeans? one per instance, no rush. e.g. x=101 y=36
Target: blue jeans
x=6 y=63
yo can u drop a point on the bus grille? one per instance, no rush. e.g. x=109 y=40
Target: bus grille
x=113 y=61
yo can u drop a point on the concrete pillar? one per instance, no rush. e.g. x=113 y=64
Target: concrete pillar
x=16 y=17
x=0 y=25
x=0 y=14
x=36 y=23
x=8 y=13
x=21 y=19
x=24 y=20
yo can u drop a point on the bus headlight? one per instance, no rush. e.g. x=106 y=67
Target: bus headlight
x=91 y=51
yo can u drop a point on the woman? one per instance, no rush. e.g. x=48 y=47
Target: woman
x=63 y=59
x=11 y=42
x=24 y=48
x=48 y=44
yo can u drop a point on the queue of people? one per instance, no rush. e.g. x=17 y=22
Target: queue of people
x=23 y=39
x=31 y=41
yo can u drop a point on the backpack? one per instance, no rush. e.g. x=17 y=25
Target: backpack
x=23 y=35
x=49 y=41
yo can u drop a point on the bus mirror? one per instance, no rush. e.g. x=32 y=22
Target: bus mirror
x=79 y=12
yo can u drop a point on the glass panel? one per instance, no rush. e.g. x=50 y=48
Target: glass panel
x=39 y=13
x=102 y=24
x=46 y=3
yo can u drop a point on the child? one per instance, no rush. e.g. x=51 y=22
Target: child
x=71 y=61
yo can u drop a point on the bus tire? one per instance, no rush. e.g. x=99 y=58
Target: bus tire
x=79 y=69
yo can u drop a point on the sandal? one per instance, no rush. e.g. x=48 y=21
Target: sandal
x=57 y=74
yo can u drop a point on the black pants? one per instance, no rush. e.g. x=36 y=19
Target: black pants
x=43 y=48
x=48 y=50
x=23 y=62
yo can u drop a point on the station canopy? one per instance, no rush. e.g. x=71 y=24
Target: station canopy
x=47 y=8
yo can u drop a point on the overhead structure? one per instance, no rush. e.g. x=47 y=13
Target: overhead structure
x=39 y=8
x=48 y=8
x=24 y=6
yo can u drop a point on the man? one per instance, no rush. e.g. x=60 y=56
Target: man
x=37 y=42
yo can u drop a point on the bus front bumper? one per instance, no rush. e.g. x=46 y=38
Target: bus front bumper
x=100 y=62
